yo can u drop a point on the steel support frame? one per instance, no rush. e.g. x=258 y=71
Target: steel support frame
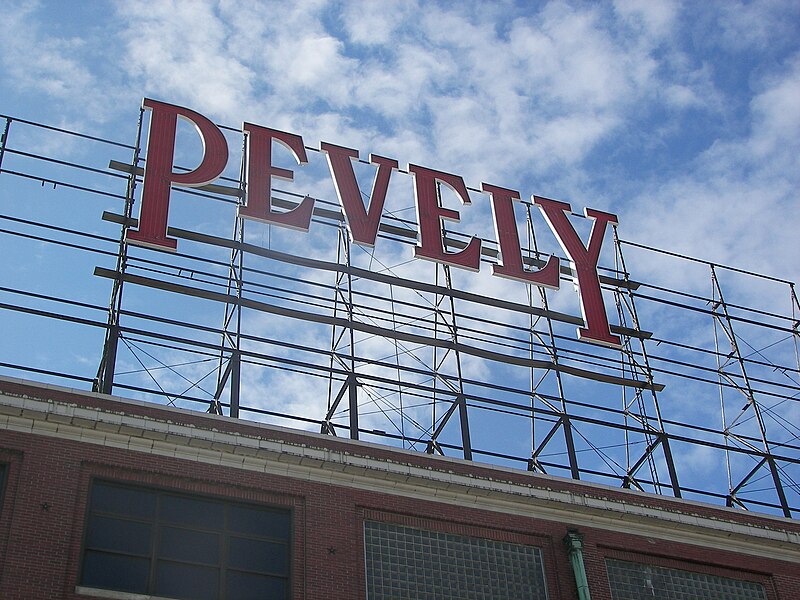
x=4 y=139
x=229 y=369
x=563 y=422
x=459 y=401
x=741 y=382
x=104 y=380
x=638 y=364
x=343 y=341
x=634 y=359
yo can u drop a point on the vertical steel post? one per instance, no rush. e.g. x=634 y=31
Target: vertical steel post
x=659 y=435
x=563 y=421
x=104 y=381
x=233 y=312
x=723 y=318
x=4 y=140
x=460 y=400
x=353 y=388
x=350 y=385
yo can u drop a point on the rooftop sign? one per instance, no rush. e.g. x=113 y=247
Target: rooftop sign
x=362 y=221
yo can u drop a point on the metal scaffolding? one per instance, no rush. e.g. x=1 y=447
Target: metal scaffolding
x=345 y=340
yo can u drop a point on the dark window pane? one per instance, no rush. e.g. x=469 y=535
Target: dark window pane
x=175 y=546
x=3 y=470
x=187 y=582
x=114 y=572
x=258 y=555
x=204 y=514
x=247 y=586
x=130 y=537
x=190 y=546
x=257 y=521
x=123 y=501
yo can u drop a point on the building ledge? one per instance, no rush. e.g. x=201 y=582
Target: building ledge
x=210 y=439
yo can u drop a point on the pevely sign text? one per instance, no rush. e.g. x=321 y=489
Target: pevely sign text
x=363 y=221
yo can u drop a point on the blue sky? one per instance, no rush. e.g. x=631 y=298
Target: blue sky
x=683 y=118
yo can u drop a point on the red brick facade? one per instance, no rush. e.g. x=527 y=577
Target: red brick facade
x=52 y=448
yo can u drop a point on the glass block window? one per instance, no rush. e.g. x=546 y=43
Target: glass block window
x=635 y=581
x=405 y=563
x=186 y=547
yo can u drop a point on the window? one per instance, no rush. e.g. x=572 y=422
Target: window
x=636 y=581
x=404 y=563
x=2 y=482
x=188 y=547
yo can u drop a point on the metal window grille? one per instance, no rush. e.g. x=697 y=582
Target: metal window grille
x=636 y=581
x=405 y=563
x=171 y=545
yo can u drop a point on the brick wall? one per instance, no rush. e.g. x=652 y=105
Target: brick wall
x=48 y=478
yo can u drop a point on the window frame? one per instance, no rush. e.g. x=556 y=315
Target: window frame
x=9 y=476
x=158 y=523
x=473 y=537
x=689 y=566
x=4 y=468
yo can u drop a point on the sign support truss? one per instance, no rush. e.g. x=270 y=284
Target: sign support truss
x=562 y=422
x=230 y=356
x=638 y=365
x=104 y=380
x=740 y=381
x=412 y=357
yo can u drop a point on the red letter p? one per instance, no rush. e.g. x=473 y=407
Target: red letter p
x=158 y=173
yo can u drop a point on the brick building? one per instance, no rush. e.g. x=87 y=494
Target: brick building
x=104 y=497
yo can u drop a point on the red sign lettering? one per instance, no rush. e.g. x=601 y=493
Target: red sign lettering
x=260 y=171
x=363 y=221
x=505 y=226
x=158 y=173
x=430 y=214
x=585 y=261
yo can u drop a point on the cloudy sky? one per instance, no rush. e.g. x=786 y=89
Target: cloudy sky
x=682 y=118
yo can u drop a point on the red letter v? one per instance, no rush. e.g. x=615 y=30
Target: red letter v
x=362 y=223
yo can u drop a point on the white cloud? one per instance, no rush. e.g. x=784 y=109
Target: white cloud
x=736 y=206
x=178 y=50
x=776 y=119
x=655 y=19
x=681 y=96
x=571 y=60
x=375 y=23
x=59 y=68
x=756 y=25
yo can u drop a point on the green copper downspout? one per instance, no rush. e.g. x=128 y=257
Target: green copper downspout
x=574 y=543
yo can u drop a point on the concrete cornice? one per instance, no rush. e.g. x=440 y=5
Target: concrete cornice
x=349 y=464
